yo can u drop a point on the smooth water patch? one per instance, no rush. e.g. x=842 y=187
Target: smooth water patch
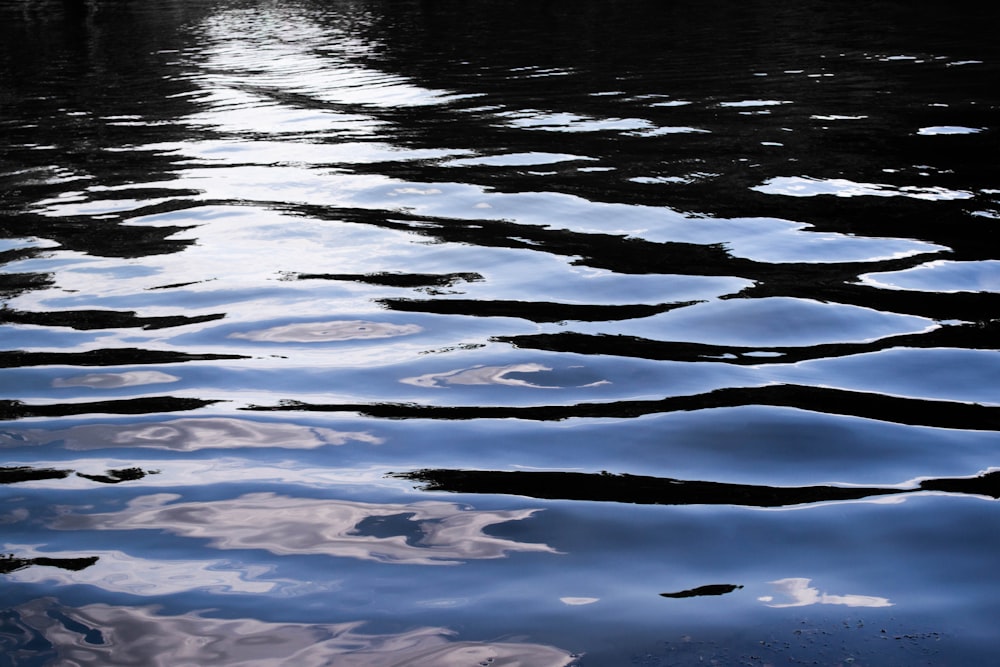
x=771 y=322
x=941 y=276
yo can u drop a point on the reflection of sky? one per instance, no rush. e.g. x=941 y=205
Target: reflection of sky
x=949 y=374
x=119 y=572
x=478 y=375
x=533 y=119
x=174 y=473
x=19 y=243
x=115 y=380
x=485 y=375
x=448 y=534
x=804 y=186
x=578 y=602
x=798 y=593
x=768 y=322
x=101 y=634
x=947 y=129
x=669 y=129
x=514 y=160
x=321 y=332
x=941 y=276
x=278 y=48
x=187 y=435
x=245 y=151
x=755 y=103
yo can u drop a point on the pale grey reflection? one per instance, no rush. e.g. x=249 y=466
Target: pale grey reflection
x=940 y=276
x=115 y=380
x=947 y=129
x=321 y=332
x=436 y=533
x=486 y=375
x=660 y=131
x=798 y=593
x=755 y=103
x=534 y=119
x=119 y=572
x=806 y=186
x=101 y=634
x=187 y=435
x=515 y=160
x=578 y=602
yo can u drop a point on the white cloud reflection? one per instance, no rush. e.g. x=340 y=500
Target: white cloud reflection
x=947 y=129
x=119 y=572
x=577 y=602
x=101 y=634
x=323 y=332
x=115 y=380
x=185 y=435
x=515 y=160
x=479 y=375
x=755 y=103
x=798 y=593
x=427 y=533
x=489 y=375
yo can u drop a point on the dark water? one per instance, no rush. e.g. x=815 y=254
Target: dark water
x=499 y=333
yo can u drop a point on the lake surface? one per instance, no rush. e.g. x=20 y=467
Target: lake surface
x=499 y=333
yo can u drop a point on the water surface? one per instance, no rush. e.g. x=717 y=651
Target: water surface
x=593 y=333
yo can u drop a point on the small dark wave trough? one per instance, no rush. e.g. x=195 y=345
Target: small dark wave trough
x=348 y=332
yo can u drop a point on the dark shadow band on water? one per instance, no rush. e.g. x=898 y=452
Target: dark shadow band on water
x=534 y=311
x=910 y=411
x=395 y=279
x=132 y=406
x=17 y=474
x=105 y=357
x=12 y=284
x=973 y=336
x=643 y=490
x=969 y=306
x=10 y=563
x=100 y=319
x=700 y=591
x=119 y=475
x=106 y=236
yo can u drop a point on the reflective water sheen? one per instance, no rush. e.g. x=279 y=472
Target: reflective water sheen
x=347 y=332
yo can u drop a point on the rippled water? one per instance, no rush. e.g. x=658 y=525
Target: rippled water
x=468 y=333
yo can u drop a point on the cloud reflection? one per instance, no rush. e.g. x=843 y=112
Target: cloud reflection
x=800 y=594
x=185 y=435
x=479 y=375
x=947 y=129
x=101 y=634
x=487 y=375
x=322 y=332
x=115 y=380
x=118 y=572
x=577 y=602
x=422 y=533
